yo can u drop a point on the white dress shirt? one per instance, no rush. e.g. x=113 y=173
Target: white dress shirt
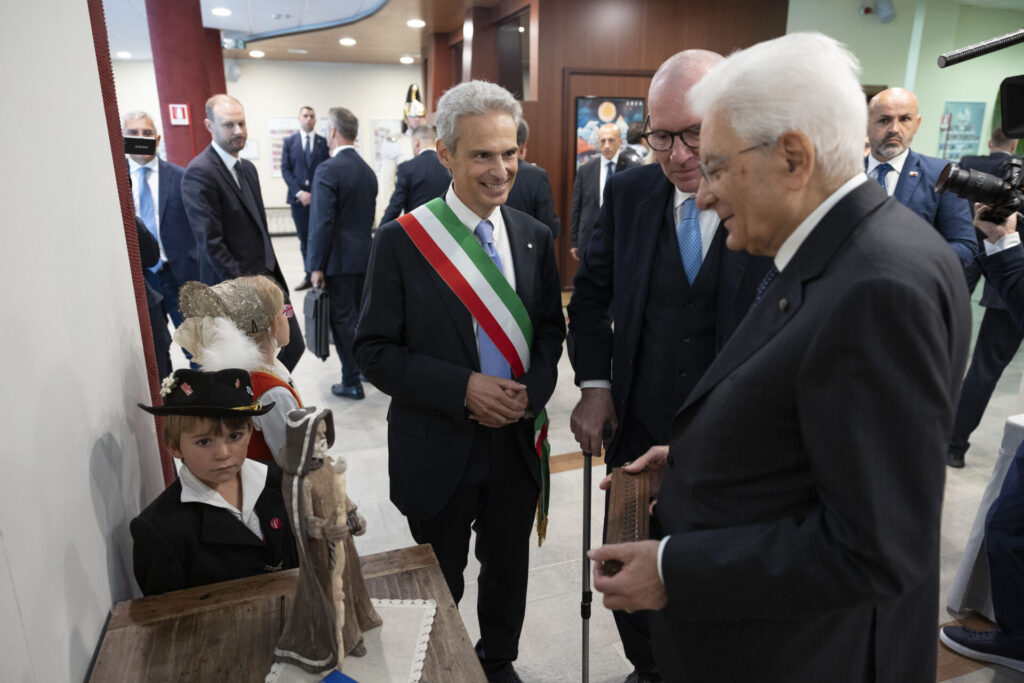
x=894 y=175
x=500 y=235
x=229 y=161
x=254 y=478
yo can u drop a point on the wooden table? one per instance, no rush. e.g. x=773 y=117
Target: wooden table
x=227 y=631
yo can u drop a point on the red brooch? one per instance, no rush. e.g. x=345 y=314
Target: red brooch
x=238 y=384
x=275 y=523
x=186 y=388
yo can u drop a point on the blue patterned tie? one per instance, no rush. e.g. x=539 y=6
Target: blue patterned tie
x=881 y=171
x=147 y=212
x=768 y=279
x=307 y=150
x=611 y=170
x=492 y=362
x=688 y=235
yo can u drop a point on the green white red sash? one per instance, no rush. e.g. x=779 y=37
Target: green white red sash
x=454 y=252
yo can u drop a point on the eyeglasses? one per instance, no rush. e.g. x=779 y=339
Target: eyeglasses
x=288 y=311
x=715 y=167
x=662 y=140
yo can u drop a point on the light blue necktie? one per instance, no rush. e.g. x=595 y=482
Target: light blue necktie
x=147 y=212
x=491 y=360
x=688 y=235
x=881 y=171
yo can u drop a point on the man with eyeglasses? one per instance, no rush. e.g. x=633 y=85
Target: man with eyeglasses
x=657 y=268
x=800 y=499
x=591 y=178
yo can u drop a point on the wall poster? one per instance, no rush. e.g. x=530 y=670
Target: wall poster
x=960 y=129
x=594 y=112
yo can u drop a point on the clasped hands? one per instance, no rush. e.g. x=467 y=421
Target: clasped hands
x=495 y=401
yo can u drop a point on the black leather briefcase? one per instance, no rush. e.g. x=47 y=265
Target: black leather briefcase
x=317 y=310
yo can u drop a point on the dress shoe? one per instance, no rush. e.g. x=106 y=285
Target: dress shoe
x=986 y=646
x=639 y=676
x=353 y=391
x=305 y=284
x=954 y=459
x=503 y=674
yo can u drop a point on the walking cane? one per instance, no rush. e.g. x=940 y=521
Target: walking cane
x=606 y=434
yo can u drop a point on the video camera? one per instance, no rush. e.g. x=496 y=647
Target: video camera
x=1005 y=195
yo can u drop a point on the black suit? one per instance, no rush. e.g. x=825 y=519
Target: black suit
x=998 y=338
x=298 y=172
x=340 y=228
x=149 y=253
x=586 y=198
x=531 y=194
x=415 y=341
x=417 y=182
x=803 y=493
x=180 y=545
x=230 y=226
x=666 y=330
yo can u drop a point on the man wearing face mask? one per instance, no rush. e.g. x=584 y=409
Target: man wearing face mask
x=910 y=177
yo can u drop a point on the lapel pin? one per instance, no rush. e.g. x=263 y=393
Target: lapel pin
x=529 y=245
x=275 y=523
x=913 y=174
x=783 y=304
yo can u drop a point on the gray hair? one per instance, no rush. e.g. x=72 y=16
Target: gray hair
x=136 y=114
x=424 y=133
x=805 y=82
x=522 y=133
x=343 y=121
x=473 y=98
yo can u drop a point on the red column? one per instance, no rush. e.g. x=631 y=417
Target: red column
x=214 y=61
x=180 y=59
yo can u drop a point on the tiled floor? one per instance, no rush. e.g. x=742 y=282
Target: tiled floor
x=551 y=642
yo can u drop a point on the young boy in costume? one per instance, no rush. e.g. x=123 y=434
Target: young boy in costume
x=224 y=518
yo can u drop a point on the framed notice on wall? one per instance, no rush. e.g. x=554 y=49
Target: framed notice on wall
x=594 y=112
x=960 y=129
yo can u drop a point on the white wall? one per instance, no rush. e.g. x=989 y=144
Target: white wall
x=884 y=52
x=78 y=456
x=271 y=89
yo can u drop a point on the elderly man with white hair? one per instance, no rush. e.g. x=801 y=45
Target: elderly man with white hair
x=800 y=496
x=462 y=326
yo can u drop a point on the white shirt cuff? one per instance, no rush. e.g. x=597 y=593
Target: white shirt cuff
x=661 y=551
x=595 y=384
x=1003 y=243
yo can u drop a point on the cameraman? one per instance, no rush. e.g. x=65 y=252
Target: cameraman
x=1004 y=527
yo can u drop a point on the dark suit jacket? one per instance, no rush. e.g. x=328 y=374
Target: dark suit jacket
x=531 y=194
x=296 y=172
x=803 y=494
x=180 y=545
x=950 y=214
x=175 y=232
x=585 y=194
x=993 y=165
x=415 y=341
x=1005 y=270
x=341 y=215
x=612 y=281
x=229 y=229
x=417 y=181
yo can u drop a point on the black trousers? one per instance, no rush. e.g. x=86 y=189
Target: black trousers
x=346 y=291
x=632 y=441
x=300 y=215
x=497 y=498
x=997 y=343
x=1004 y=546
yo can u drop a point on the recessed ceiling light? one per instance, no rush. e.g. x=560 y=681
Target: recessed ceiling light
x=123 y=54
x=298 y=51
x=347 y=42
x=406 y=60
x=415 y=23
x=221 y=12
x=522 y=29
x=257 y=54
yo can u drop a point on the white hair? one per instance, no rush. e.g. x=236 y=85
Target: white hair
x=805 y=82
x=473 y=98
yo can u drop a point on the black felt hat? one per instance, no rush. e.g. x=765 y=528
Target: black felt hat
x=226 y=393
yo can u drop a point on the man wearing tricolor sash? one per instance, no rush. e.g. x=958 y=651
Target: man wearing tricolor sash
x=462 y=326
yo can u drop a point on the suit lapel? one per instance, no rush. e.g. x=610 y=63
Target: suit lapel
x=908 y=183
x=523 y=251
x=163 y=188
x=783 y=300
x=650 y=216
x=220 y=526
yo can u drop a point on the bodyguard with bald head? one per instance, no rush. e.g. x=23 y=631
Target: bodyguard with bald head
x=222 y=197
x=910 y=177
x=674 y=291
x=800 y=498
